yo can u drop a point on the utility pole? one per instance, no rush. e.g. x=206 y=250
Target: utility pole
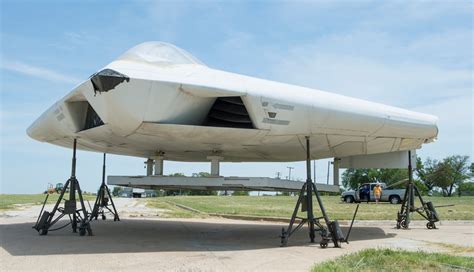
x=314 y=171
x=289 y=171
x=278 y=174
x=327 y=179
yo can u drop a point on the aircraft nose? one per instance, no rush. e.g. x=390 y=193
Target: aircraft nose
x=33 y=131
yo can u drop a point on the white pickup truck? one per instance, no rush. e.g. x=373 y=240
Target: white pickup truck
x=394 y=196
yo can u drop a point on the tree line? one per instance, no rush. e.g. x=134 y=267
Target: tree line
x=449 y=176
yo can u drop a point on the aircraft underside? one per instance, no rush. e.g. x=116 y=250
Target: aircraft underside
x=195 y=143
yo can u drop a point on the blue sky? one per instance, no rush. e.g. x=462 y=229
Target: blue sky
x=412 y=54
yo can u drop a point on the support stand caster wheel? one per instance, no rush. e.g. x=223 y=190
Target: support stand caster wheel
x=323 y=244
x=430 y=225
x=43 y=232
x=103 y=217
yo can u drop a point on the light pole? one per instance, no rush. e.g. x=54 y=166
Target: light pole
x=289 y=171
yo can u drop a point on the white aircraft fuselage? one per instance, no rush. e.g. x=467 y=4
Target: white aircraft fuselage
x=157 y=99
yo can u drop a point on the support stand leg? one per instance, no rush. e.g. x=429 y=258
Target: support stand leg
x=48 y=219
x=101 y=204
x=427 y=210
x=331 y=231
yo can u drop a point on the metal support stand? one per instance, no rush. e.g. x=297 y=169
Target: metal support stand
x=427 y=209
x=331 y=231
x=101 y=205
x=47 y=220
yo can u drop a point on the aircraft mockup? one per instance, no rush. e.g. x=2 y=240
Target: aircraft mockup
x=158 y=100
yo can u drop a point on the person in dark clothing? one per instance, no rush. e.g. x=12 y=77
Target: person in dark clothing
x=365 y=193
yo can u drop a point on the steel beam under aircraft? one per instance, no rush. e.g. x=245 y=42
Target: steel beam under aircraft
x=214 y=183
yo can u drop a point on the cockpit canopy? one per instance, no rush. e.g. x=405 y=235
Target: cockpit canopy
x=159 y=53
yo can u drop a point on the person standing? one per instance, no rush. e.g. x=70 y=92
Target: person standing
x=365 y=193
x=377 y=193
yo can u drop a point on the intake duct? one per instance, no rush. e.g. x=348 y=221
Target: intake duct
x=228 y=112
x=92 y=118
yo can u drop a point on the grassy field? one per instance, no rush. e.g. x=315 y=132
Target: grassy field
x=282 y=206
x=396 y=260
x=11 y=201
x=268 y=206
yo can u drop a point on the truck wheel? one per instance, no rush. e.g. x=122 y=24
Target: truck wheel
x=348 y=199
x=394 y=199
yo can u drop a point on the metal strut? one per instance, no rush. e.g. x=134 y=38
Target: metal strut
x=331 y=231
x=101 y=205
x=76 y=216
x=427 y=209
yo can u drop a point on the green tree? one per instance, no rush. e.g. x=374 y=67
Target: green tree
x=451 y=173
x=240 y=193
x=391 y=176
x=421 y=186
x=461 y=170
x=353 y=178
x=424 y=172
x=116 y=191
x=201 y=175
x=283 y=194
x=467 y=188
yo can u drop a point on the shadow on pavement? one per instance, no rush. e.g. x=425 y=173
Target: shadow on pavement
x=135 y=236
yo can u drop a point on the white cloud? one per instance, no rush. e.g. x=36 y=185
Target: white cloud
x=36 y=71
x=455 y=126
x=402 y=84
x=381 y=66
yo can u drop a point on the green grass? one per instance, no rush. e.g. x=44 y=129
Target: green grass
x=11 y=201
x=282 y=206
x=268 y=206
x=396 y=260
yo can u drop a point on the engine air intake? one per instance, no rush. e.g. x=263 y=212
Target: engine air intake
x=92 y=119
x=228 y=112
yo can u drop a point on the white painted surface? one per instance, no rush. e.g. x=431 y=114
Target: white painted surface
x=170 y=93
x=383 y=160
